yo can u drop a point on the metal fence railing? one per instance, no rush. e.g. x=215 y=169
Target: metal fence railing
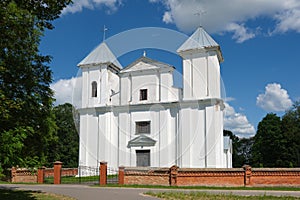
x=112 y=175
x=81 y=175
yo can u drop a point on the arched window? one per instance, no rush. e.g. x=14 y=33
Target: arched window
x=94 y=89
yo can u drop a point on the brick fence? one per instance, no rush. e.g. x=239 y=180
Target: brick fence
x=24 y=175
x=176 y=176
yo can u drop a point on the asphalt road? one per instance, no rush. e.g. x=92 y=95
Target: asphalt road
x=83 y=192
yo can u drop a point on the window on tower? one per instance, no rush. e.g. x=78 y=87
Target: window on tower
x=94 y=89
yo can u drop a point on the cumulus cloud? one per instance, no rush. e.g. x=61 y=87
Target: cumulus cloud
x=240 y=32
x=167 y=18
x=232 y=15
x=288 y=20
x=79 y=5
x=67 y=91
x=274 y=98
x=217 y=16
x=237 y=122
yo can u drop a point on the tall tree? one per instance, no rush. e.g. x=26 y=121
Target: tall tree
x=241 y=149
x=26 y=123
x=66 y=149
x=244 y=151
x=291 y=129
x=269 y=148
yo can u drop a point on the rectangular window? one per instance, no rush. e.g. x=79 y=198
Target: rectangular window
x=143 y=94
x=142 y=127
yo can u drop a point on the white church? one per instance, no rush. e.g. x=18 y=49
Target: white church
x=134 y=116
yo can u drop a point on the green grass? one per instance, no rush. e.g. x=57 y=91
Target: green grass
x=207 y=187
x=206 y=196
x=6 y=194
x=76 y=180
x=73 y=179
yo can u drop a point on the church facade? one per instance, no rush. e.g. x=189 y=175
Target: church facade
x=134 y=116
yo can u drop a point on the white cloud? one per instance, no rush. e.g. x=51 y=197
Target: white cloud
x=274 y=99
x=237 y=122
x=67 y=91
x=215 y=15
x=167 y=18
x=288 y=20
x=232 y=15
x=241 y=33
x=79 y=5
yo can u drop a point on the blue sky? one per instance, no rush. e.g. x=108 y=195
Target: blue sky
x=259 y=41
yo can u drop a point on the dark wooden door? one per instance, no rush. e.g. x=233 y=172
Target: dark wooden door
x=142 y=158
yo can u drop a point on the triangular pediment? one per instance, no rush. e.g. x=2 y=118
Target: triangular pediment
x=141 y=141
x=144 y=64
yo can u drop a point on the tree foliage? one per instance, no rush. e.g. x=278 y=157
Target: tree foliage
x=27 y=125
x=66 y=149
x=269 y=149
x=241 y=154
x=276 y=143
x=291 y=130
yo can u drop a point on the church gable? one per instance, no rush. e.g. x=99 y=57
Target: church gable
x=141 y=141
x=146 y=64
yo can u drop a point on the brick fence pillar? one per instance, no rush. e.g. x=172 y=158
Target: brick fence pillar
x=13 y=174
x=41 y=174
x=57 y=172
x=173 y=172
x=103 y=173
x=121 y=175
x=248 y=174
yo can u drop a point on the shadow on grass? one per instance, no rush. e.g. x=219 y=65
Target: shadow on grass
x=7 y=194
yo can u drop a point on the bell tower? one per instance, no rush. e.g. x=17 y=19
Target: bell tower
x=99 y=76
x=201 y=66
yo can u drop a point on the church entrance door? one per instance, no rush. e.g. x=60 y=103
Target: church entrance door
x=142 y=158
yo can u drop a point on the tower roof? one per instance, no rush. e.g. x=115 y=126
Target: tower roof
x=100 y=55
x=200 y=39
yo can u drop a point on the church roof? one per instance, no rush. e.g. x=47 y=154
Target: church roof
x=200 y=39
x=100 y=55
x=144 y=63
x=141 y=140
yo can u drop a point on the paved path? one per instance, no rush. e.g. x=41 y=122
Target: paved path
x=86 y=192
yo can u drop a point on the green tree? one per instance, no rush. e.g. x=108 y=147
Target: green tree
x=235 y=157
x=26 y=125
x=241 y=149
x=269 y=148
x=291 y=129
x=66 y=149
x=244 y=151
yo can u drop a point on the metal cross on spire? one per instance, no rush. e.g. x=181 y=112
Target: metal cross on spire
x=200 y=14
x=104 y=29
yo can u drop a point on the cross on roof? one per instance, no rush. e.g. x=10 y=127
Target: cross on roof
x=199 y=14
x=104 y=29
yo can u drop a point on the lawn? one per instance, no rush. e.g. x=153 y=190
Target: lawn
x=74 y=180
x=6 y=194
x=206 y=196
